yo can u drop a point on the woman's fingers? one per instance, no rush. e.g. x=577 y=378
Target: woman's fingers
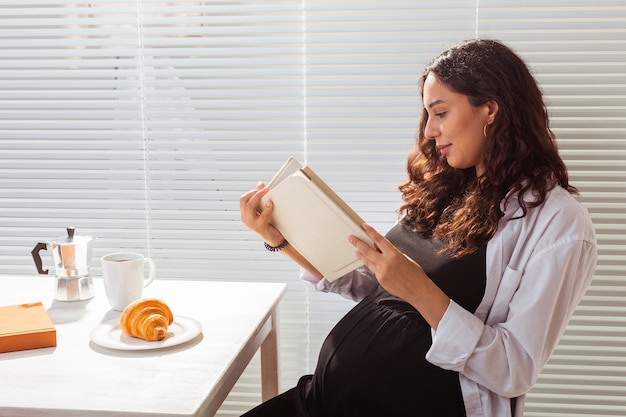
x=258 y=220
x=249 y=203
x=380 y=242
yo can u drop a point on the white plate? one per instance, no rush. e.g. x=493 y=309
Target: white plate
x=109 y=334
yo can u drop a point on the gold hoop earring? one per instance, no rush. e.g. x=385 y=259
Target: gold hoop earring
x=485 y=129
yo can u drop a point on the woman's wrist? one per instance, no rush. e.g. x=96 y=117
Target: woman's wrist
x=276 y=248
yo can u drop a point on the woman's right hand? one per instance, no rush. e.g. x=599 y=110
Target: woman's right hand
x=259 y=221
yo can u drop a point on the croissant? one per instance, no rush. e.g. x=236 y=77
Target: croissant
x=147 y=319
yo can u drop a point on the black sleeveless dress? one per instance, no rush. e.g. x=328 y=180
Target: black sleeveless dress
x=372 y=364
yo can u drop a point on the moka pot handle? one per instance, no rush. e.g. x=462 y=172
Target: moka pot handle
x=37 y=257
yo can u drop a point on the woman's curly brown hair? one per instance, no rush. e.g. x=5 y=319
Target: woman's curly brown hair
x=456 y=206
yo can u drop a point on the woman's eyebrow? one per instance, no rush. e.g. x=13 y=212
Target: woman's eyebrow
x=434 y=103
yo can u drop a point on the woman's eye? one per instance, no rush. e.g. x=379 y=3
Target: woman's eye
x=440 y=114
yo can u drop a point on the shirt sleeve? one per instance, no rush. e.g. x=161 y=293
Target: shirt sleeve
x=507 y=356
x=354 y=285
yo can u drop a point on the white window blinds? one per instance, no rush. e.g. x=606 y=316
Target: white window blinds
x=141 y=122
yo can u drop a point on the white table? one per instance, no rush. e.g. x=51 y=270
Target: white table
x=80 y=378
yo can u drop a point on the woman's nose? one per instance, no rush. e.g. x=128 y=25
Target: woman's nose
x=430 y=130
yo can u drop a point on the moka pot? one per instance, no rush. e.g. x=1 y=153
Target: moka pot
x=71 y=255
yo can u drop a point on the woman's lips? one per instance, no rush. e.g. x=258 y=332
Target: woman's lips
x=444 y=149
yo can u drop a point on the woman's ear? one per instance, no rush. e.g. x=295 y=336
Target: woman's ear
x=492 y=109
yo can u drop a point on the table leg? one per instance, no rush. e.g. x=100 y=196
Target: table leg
x=269 y=361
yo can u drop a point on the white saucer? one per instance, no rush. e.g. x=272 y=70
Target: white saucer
x=109 y=334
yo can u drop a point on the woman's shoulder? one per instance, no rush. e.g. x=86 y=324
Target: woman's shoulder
x=561 y=201
x=561 y=221
x=563 y=211
x=556 y=199
x=560 y=210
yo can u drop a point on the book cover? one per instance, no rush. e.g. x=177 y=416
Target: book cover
x=25 y=326
x=314 y=219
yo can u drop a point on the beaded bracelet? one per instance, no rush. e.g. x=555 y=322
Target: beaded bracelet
x=276 y=248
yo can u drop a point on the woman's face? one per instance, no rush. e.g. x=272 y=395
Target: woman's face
x=455 y=125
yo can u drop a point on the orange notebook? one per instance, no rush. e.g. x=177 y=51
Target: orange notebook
x=26 y=326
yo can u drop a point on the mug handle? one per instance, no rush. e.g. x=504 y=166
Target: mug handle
x=152 y=271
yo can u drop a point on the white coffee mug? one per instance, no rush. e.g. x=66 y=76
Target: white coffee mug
x=124 y=277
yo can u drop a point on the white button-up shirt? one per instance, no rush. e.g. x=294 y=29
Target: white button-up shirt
x=538 y=269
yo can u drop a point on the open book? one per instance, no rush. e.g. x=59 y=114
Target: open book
x=314 y=219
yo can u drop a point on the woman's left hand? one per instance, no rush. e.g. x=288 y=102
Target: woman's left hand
x=401 y=276
x=394 y=270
